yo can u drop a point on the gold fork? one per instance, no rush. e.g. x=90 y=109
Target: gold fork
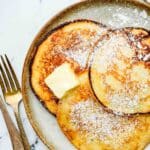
x=12 y=92
x=13 y=132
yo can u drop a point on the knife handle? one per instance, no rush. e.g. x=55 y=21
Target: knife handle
x=13 y=132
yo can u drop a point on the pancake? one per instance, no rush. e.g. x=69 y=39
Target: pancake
x=120 y=71
x=71 y=42
x=89 y=126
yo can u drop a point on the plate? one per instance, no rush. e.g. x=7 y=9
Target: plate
x=113 y=13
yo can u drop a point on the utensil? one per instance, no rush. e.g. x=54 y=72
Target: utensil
x=13 y=132
x=12 y=91
x=113 y=13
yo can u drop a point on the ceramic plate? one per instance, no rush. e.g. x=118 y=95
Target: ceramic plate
x=119 y=13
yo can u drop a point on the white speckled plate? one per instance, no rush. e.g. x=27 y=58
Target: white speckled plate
x=114 y=13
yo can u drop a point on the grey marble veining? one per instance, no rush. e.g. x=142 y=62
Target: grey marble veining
x=5 y=142
x=34 y=141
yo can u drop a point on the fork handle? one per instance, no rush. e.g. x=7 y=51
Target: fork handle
x=14 y=133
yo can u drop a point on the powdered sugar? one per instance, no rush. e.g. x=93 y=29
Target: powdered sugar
x=89 y=116
x=121 y=101
x=80 y=44
x=109 y=51
x=121 y=17
x=117 y=68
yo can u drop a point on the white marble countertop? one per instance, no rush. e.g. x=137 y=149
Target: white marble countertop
x=20 y=21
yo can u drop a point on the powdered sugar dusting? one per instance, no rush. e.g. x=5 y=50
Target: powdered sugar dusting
x=122 y=101
x=88 y=116
x=128 y=100
x=121 y=71
x=110 y=55
x=79 y=44
x=121 y=17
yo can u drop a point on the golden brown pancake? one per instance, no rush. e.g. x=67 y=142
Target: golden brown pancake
x=120 y=71
x=71 y=42
x=90 y=127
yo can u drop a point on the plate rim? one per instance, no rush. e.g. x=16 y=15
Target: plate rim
x=29 y=54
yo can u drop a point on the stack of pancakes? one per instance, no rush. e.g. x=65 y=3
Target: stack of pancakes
x=110 y=108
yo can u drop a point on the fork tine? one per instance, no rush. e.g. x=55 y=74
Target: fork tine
x=13 y=73
x=5 y=79
x=2 y=85
x=8 y=75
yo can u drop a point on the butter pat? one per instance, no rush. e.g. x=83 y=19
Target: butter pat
x=62 y=79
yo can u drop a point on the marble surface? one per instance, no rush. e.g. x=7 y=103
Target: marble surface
x=34 y=141
x=20 y=21
x=5 y=141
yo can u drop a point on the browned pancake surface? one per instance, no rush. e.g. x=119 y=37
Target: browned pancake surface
x=72 y=43
x=120 y=71
x=89 y=127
